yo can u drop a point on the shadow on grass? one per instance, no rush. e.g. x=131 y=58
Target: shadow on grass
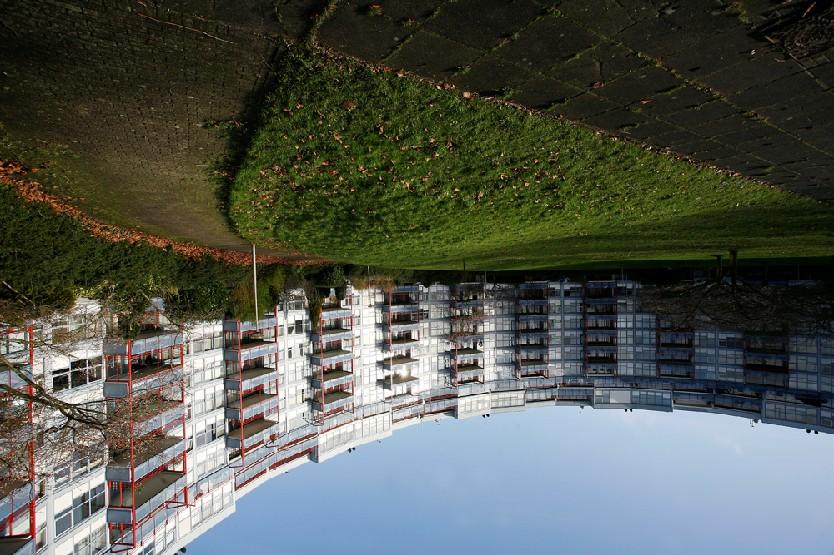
x=761 y=233
x=240 y=132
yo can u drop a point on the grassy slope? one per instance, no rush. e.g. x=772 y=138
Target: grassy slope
x=369 y=167
x=49 y=258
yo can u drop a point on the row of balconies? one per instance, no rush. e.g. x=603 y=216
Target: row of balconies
x=251 y=434
x=332 y=401
x=131 y=506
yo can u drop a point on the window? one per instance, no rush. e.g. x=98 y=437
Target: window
x=206 y=343
x=41 y=543
x=75 y=469
x=92 y=544
x=63 y=521
x=87 y=504
x=81 y=372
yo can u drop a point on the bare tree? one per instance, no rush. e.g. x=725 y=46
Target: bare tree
x=63 y=430
x=807 y=308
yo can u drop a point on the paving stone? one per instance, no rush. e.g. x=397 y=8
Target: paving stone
x=680 y=98
x=587 y=15
x=775 y=92
x=491 y=76
x=405 y=11
x=543 y=93
x=730 y=124
x=619 y=120
x=583 y=106
x=638 y=85
x=715 y=110
x=650 y=128
x=353 y=29
x=551 y=40
x=747 y=74
x=433 y=56
x=483 y=23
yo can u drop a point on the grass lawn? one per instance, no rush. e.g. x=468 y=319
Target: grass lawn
x=374 y=168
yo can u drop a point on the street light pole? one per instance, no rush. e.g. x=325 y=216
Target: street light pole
x=255 y=284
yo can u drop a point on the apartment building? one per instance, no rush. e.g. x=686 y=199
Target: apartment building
x=214 y=409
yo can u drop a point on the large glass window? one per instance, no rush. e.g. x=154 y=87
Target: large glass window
x=80 y=372
x=75 y=469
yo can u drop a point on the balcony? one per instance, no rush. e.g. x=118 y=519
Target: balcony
x=466 y=335
x=532 y=316
x=772 y=345
x=301 y=433
x=766 y=365
x=403 y=340
x=600 y=354
x=250 y=378
x=330 y=357
x=329 y=313
x=395 y=381
x=149 y=456
x=240 y=327
x=530 y=302
x=398 y=361
x=532 y=333
x=601 y=368
x=15 y=495
x=333 y=401
x=438 y=406
x=467 y=314
x=328 y=334
x=531 y=347
x=253 y=405
x=295 y=451
x=150 y=496
x=402 y=324
x=265 y=458
x=143 y=377
x=469 y=373
x=532 y=367
x=676 y=340
x=145 y=342
x=602 y=339
x=575 y=394
x=400 y=306
x=766 y=376
x=15 y=377
x=17 y=546
x=253 y=433
x=460 y=302
x=675 y=369
x=165 y=416
x=250 y=349
x=407 y=413
x=601 y=307
x=332 y=379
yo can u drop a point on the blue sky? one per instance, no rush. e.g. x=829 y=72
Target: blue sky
x=553 y=480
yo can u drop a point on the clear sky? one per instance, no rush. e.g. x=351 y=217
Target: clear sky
x=552 y=480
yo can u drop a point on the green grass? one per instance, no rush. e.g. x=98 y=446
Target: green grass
x=367 y=167
x=48 y=259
